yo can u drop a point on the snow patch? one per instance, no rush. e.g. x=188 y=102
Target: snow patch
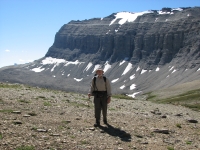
x=133 y=95
x=157 y=69
x=143 y=71
x=133 y=86
x=132 y=77
x=78 y=80
x=73 y=63
x=127 y=16
x=107 y=66
x=160 y=12
x=122 y=87
x=171 y=68
x=88 y=67
x=53 y=68
x=115 y=80
x=129 y=66
x=138 y=68
x=50 y=60
x=122 y=62
x=198 y=69
x=174 y=71
x=38 y=69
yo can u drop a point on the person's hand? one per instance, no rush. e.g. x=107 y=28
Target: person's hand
x=89 y=95
x=108 y=100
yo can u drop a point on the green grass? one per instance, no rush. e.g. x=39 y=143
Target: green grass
x=190 y=99
x=24 y=101
x=47 y=104
x=42 y=97
x=1 y=101
x=178 y=125
x=79 y=104
x=6 y=85
x=84 y=142
x=189 y=142
x=1 y=136
x=25 y=148
x=170 y=148
x=6 y=110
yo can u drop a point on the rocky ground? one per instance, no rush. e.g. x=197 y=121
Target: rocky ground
x=39 y=119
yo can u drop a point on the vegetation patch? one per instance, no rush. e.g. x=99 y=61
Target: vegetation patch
x=178 y=125
x=6 y=110
x=24 y=101
x=23 y=147
x=47 y=104
x=1 y=136
x=122 y=96
x=190 y=99
x=189 y=142
x=79 y=104
x=3 y=85
x=170 y=148
x=42 y=97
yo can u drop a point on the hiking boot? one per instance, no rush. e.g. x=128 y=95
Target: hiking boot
x=97 y=124
x=105 y=122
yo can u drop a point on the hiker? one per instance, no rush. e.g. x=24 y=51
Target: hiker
x=101 y=90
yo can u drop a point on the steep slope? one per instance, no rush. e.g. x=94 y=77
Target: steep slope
x=139 y=52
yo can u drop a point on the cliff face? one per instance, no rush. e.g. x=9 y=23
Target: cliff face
x=139 y=52
x=154 y=38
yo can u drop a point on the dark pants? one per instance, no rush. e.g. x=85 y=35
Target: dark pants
x=100 y=103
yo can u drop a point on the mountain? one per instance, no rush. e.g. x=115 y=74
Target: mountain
x=140 y=52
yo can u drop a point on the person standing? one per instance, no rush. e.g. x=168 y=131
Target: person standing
x=101 y=90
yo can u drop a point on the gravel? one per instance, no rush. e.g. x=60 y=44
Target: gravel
x=47 y=119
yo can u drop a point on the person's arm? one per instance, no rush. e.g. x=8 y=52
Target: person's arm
x=108 y=87
x=91 y=89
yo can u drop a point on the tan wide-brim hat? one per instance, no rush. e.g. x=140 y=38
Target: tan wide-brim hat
x=99 y=69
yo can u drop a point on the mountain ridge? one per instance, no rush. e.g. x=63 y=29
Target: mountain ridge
x=156 y=50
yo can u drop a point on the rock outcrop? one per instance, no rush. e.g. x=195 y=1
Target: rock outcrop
x=140 y=52
x=154 y=38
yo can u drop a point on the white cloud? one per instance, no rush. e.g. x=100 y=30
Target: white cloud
x=21 y=60
x=7 y=50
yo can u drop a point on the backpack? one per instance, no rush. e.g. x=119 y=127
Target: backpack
x=104 y=78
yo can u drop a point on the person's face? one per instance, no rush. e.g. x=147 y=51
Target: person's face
x=99 y=72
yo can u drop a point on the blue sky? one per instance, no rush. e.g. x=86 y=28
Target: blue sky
x=28 y=27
